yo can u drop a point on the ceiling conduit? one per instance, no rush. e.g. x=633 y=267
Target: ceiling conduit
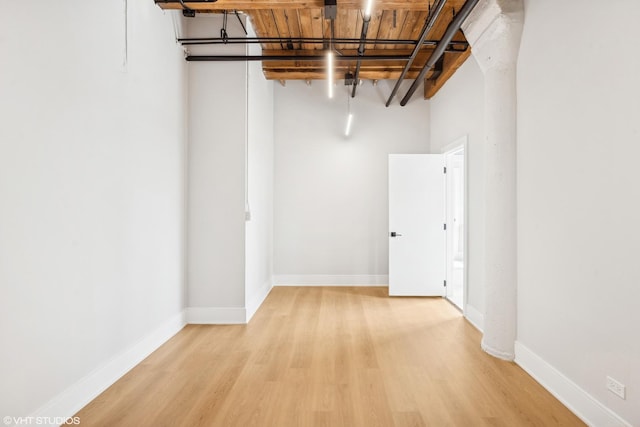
x=453 y=27
x=311 y=40
x=363 y=36
x=428 y=24
x=232 y=58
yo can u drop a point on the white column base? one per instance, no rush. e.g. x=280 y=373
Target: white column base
x=497 y=353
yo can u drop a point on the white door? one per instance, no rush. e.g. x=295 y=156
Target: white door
x=417 y=239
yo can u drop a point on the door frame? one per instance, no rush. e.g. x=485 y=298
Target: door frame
x=461 y=143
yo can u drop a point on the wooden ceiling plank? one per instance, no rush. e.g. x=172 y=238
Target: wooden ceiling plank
x=395 y=28
x=266 y=23
x=348 y=25
x=348 y=52
x=355 y=27
x=340 y=23
x=294 y=26
x=386 y=26
x=409 y=20
x=312 y=65
x=317 y=28
x=452 y=61
x=282 y=25
x=320 y=74
x=412 y=26
x=442 y=22
x=422 y=18
x=245 y=5
x=301 y=64
x=357 y=18
x=305 y=27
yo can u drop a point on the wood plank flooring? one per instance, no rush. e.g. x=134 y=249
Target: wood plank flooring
x=329 y=356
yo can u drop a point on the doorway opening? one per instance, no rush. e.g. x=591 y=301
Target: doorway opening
x=455 y=161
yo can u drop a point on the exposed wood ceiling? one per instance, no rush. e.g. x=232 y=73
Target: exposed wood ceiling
x=289 y=21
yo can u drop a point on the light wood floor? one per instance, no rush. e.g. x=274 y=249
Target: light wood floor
x=329 y=357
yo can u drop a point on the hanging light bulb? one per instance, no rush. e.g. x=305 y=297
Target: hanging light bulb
x=347 y=131
x=367 y=10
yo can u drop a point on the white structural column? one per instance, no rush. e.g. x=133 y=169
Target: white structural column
x=494 y=30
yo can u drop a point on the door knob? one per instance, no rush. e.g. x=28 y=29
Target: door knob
x=394 y=234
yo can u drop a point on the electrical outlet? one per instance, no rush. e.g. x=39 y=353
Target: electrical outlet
x=616 y=387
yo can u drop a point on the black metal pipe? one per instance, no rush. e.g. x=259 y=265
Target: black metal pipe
x=453 y=27
x=241 y=23
x=428 y=25
x=363 y=36
x=232 y=58
x=309 y=40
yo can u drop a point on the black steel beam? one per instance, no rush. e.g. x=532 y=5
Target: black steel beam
x=453 y=27
x=428 y=25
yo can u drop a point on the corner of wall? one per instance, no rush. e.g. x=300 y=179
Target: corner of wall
x=474 y=316
x=255 y=301
x=581 y=403
x=74 y=398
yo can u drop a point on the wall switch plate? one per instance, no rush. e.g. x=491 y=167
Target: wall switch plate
x=616 y=387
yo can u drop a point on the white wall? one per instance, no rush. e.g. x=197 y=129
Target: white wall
x=331 y=203
x=91 y=194
x=578 y=194
x=458 y=110
x=217 y=140
x=231 y=116
x=259 y=229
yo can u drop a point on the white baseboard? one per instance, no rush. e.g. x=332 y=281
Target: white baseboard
x=581 y=403
x=475 y=317
x=216 y=315
x=74 y=398
x=256 y=301
x=229 y=315
x=331 y=280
